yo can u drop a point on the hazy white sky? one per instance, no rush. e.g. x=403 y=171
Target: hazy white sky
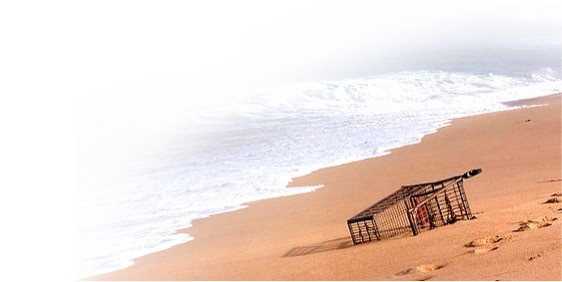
x=195 y=49
x=154 y=54
x=177 y=47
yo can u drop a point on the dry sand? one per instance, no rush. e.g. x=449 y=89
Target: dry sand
x=516 y=235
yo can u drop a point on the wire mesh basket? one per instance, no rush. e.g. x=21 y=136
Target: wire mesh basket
x=413 y=208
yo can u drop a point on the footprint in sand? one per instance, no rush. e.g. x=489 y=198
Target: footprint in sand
x=483 y=241
x=534 y=257
x=422 y=268
x=428 y=267
x=535 y=224
x=480 y=251
x=552 y=200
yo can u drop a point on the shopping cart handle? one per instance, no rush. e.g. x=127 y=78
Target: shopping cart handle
x=472 y=173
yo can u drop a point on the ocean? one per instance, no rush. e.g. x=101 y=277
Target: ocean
x=225 y=153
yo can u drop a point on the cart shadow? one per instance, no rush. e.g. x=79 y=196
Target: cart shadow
x=325 y=246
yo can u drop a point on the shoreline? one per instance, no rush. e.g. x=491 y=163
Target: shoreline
x=255 y=243
x=538 y=101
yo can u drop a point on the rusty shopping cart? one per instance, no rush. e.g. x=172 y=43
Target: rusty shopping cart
x=413 y=208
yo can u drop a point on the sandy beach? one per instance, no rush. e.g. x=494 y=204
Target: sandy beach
x=516 y=235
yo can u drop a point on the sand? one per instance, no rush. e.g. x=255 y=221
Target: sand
x=516 y=233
